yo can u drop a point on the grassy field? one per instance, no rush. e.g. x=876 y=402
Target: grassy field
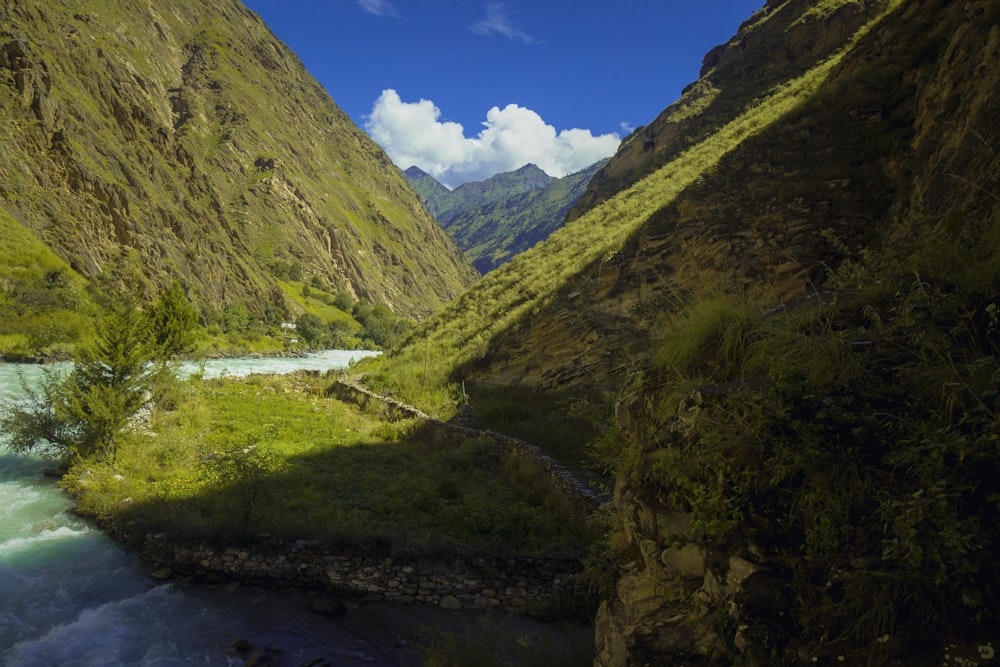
x=235 y=458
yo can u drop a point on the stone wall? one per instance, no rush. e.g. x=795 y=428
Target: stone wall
x=450 y=580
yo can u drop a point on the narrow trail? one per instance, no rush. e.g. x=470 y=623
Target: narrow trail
x=566 y=481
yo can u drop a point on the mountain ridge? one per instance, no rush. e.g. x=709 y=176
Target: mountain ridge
x=494 y=220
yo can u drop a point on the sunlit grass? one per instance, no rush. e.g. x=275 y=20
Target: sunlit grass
x=240 y=457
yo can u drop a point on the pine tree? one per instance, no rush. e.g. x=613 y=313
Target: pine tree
x=82 y=413
x=173 y=322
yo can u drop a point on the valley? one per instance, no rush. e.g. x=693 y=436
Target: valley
x=766 y=330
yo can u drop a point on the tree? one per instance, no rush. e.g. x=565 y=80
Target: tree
x=80 y=414
x=236 y=319
x=310 y=328
x=173 y=321
x=110 y=381
x=343 y=301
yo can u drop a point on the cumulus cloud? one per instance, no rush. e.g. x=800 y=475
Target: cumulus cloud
x=498 y=21
x=379 y=8
x=412 y=133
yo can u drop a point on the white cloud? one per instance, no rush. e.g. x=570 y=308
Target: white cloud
x=498 y=21
x=379 y=8
x=412 y=133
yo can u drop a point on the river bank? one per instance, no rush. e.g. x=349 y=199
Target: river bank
x=76 y=597
x=72 y=596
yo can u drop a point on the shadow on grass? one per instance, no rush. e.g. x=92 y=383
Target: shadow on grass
x=416 y=487
x=560 y=423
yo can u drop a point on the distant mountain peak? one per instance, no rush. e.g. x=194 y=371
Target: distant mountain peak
x=530 y=168
x=416 y=172
x=495 y=219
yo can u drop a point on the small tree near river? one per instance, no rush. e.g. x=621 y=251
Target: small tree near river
x=80 y=414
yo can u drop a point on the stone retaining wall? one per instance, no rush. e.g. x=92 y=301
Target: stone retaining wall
x=451 y=581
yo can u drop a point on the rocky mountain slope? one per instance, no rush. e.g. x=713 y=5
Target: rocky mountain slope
x=783 y=292
x=494 y=220
x=186 y=140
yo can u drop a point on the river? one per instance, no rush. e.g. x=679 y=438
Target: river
x=70 y=597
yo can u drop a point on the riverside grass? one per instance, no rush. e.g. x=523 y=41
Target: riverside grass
x=236 y=458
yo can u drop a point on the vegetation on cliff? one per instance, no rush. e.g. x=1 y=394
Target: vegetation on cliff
x=846 y=445
x=779 y=309
x=186 y=138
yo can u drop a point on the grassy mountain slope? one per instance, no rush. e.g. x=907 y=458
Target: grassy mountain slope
x=505 y=215
x=544 y=318
x=43 y=303
x=781 y=303
x=187 y=139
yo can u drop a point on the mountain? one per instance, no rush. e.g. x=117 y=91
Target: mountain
x=185 y=140
x=776 y=306
x=494 y=220
x=432 y=193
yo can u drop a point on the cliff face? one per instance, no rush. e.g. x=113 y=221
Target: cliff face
x=186 y=137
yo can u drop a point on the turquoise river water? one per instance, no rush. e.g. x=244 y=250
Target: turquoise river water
x=70 y=597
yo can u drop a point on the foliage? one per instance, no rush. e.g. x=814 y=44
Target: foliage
x=82 y=413
x=31 y=423
x=854 y=442
x=243 y=467
x=173 y=321
x=315 y=468
x=381 y=325
x=310 y=327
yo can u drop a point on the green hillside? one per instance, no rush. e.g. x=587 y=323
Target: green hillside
x=43 y=304
x=186 y=140
x=773 y=314
x=494 y=220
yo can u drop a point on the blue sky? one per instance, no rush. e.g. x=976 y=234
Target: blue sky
x=465 y=89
